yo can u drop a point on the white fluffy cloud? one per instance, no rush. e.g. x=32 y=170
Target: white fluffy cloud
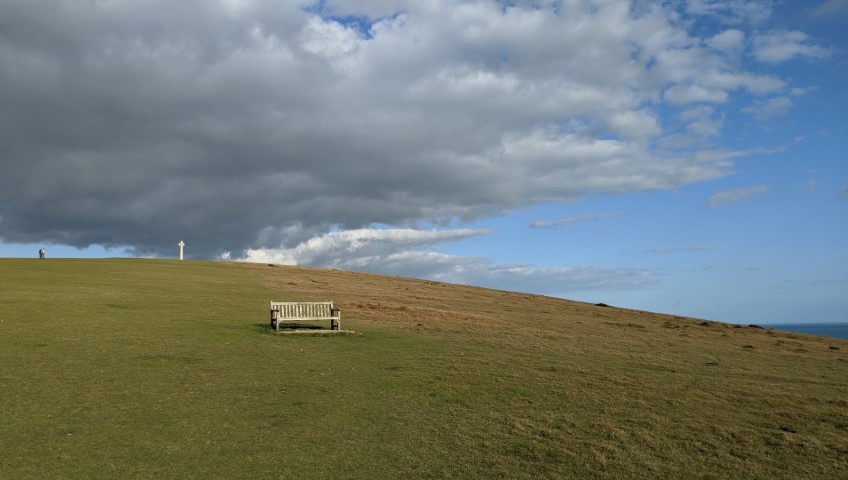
x=730 y=42
x=340 y=249
x=410 y=253
x=736 y=195
x=702 y=122
x=776 y=47
x=771 y=108
x=732 y=11
x=831 y=9
x=573 y=219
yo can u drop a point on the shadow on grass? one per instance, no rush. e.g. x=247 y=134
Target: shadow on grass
x=300 y=328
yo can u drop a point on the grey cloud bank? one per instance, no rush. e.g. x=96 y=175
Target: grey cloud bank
x=250 y=125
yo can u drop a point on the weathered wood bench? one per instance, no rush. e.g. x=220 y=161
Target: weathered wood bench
x=304 y=312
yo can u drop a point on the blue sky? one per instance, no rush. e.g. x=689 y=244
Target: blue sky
x=683 y=157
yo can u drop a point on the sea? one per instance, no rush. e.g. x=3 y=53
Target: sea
x=835 y=329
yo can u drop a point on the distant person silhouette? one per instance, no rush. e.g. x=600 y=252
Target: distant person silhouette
x=42 y=253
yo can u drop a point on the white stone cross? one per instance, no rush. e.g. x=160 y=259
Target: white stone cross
x=181 y=244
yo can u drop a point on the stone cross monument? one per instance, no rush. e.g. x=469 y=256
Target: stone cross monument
x=181 y=244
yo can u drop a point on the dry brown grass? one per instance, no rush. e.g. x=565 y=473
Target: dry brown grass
x=643 y=394
x=421 y=304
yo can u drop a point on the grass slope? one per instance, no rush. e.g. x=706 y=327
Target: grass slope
x=129 y=368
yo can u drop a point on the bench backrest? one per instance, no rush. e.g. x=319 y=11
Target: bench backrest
x=303 y=309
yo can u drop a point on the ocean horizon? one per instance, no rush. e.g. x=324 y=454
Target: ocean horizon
x=833 y=329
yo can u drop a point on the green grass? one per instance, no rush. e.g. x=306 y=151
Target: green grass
x=129 y=368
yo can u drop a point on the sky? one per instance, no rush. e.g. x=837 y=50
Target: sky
x=684 y=157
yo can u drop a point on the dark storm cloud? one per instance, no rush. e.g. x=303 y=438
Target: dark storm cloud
x=248 y=124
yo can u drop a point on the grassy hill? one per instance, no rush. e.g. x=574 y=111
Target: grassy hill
x=130 y=368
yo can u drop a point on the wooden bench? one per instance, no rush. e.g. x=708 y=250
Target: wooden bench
x=304 y=312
